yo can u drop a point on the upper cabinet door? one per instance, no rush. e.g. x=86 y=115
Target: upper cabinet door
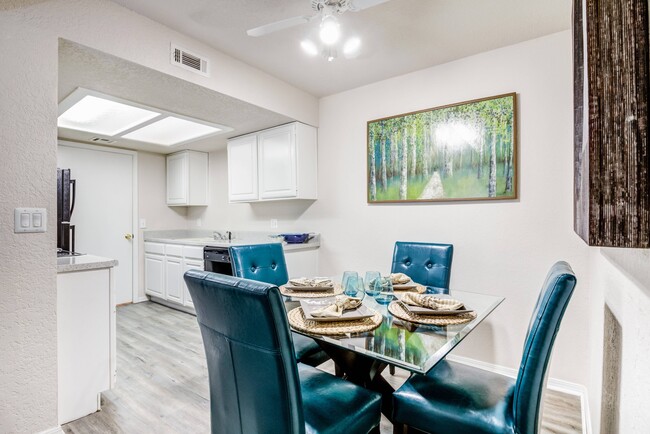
x=187 y=178
x=277 y=163
x=242 y=169
x=177 y=179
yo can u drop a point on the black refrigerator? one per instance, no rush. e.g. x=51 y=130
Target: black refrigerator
x=66 y=193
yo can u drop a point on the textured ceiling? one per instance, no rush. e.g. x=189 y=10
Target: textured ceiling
x=80 y=66
x=399 y=36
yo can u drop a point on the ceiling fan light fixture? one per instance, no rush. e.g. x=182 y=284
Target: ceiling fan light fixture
x=330 y=30
x=329 y=53
x=351 y=47
x=309 y=47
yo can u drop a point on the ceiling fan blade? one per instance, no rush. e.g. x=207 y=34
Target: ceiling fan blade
x=280 y=25
x=359 y=5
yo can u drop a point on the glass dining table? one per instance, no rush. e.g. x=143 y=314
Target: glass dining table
x=415 y=347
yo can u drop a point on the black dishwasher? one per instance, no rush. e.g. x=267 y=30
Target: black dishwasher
x=217 y=260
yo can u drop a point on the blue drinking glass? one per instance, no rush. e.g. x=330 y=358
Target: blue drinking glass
x=346 y=276
x=371 y=278
x=354 y=287
x=384 y=287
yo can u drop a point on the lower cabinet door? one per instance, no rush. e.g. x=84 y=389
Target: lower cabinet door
x=173 y=277
x=153 y=275
x=190 y=265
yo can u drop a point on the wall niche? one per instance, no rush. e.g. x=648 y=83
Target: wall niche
x=612 y=164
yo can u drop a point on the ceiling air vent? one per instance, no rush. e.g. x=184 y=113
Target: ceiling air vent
x=102 y=140
x=187 y=60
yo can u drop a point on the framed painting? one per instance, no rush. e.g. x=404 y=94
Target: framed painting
x=463 y=151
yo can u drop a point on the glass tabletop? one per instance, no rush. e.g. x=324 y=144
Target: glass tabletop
x=414 y=347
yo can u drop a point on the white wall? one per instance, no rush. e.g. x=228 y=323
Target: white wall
x=621 y=278
x=28 y=387
x=29 y=37
x=502 y=248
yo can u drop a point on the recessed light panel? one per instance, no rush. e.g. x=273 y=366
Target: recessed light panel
x=103 y=116
x=171 y=131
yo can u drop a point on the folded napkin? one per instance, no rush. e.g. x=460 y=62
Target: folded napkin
x=316 y=281
x=432 y=302
x=334 y=310
x=399 y=278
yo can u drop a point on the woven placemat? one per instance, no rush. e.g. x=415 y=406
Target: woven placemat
x=338 y=289
x=299 y=322
x=399 y=312
x=419 y=289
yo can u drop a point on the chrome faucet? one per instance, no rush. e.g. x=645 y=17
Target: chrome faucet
x=218 y=236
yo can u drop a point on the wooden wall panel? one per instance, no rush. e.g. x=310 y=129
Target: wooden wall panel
x=612 y=176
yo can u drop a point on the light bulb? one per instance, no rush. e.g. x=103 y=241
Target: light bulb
x=330 y=30
x=351 y=47
x=309 y=47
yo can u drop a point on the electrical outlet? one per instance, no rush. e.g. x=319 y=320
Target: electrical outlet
x=274 y=223
x=143 y=223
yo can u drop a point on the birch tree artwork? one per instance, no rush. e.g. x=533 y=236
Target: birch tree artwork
x=465 y=151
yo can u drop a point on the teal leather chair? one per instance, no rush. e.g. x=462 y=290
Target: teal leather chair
x=266 y=263
x=459 y=399
x=428 y=264
x=256 y=386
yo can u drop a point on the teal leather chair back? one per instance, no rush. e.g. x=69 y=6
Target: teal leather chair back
x=457 y=398
x=254 y=383
x=428 y=264
x=542 y=330
x=261 y=262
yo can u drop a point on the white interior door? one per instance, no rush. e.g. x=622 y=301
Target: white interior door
x=103 y=213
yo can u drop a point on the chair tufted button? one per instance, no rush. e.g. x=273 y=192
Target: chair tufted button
x=253 y=268
x=407 y=263
x=429 y=265
x=273 y=266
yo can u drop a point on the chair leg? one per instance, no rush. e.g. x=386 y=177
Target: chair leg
x=375 y=430
x=391 y=369
x=399 y=428
x=338 y=371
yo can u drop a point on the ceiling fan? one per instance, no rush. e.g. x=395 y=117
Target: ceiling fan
x=326 y=9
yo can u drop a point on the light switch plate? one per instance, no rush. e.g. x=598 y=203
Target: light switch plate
x=30 y=220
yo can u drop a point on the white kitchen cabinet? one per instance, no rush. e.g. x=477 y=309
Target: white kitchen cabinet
x=189 y=264
x=154 y=266
x=274 y=164
x=242 y=169
x=165 y=265
x=187 y=179
x=85 y=340
x=173 y=279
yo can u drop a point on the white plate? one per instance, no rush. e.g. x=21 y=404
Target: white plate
x=420 y=310
x=405 y=286
x=349 y=315
x=308 y=288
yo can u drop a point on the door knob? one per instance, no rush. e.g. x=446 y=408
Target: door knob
x=128 y=236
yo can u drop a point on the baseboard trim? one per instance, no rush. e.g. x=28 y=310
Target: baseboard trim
x=554 y=384
x=141 y=299
x=55 y=430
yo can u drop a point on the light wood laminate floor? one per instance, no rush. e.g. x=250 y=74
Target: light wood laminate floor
x=162 y=380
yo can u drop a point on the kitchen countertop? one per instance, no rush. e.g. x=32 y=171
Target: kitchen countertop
x=70 y=264
x=204 y=238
